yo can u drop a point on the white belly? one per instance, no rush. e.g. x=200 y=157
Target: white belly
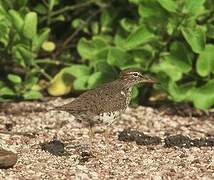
x=109 y=118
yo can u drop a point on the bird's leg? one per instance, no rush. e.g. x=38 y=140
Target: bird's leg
x=91 y=136
x=106 y=139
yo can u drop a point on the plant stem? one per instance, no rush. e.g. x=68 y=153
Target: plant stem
x=68 y=8
x=76 y=32
x=48 y=61
x=42 y=72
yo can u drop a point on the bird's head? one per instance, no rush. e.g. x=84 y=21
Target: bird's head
x=133 y=77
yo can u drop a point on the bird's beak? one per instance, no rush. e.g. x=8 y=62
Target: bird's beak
x=148 y=80
x=152 y=81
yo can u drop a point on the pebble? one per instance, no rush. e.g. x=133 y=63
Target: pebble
x=7 y=159
x=54 y=147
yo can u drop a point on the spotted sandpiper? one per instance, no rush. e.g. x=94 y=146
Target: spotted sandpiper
x=105 y=103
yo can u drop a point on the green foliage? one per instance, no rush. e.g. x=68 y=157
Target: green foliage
x=20 y=43
x=167 y=38
x=171 y=39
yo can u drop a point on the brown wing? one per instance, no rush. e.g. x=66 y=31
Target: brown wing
x=105 y=98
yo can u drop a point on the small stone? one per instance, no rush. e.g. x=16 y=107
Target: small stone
x=7 y=159
x=54 y=147
x=8 y=126
x=128 y=135
x=178 y=141
x=85 y=156
x=148 y=140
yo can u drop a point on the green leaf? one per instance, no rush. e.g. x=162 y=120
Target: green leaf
x=117 y=57
x=153 y=15
x=182 y=92
x=32 y=94
x=176 y=63
x=169 y=5
x=17 y=20
x=138 y=37
x=95 y=28
x=77 y=70
x=135 y=92
x=98 y=78
x=14 y=78
x=40 y=8
x=22 y=3
x=151 y=8
x=4 y=34
x=95 y=79
x=51 y=4
x=18 y=56
x=180 y=57
x=104 y=67
x=205 y=61
x=81 y=82
x=106 y=18
x=30 y=25
x=195 y=38
x=142 y=56
x=2 y=84
x=27 y=56
x=5 y=91
x=210 y=31
x=193 y=6
x=89 y=49
x=203 y=97
x=75 y=76
x=128 y=25
x=30 y=81
x=39 y=39
x=23 y=55
x=168 y=68
x=77 y=22
x=119 y=40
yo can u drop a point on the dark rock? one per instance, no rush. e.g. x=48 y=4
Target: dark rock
x=128 y=135
x=147 y=140
x=210 y=141
x=8 y=126
x=203 y=142
x=178 y=141
x=7 y=159
x=54 y=147
x=85 y=156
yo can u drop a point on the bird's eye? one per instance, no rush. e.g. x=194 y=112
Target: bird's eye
x=135 y=74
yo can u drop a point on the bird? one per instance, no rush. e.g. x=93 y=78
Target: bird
x=105 y=103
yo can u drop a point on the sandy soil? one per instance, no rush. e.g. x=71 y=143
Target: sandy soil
x=125 y=160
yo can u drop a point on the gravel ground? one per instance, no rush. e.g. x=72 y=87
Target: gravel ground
x=125 y=160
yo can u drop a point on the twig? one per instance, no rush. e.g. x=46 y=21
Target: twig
x=76 y=32
x=48 y=61
x=67 y=8
x=43 y=72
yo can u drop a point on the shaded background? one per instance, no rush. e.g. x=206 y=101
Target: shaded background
x=57 y=48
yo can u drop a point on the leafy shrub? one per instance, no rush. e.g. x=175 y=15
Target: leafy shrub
x=172 y=39
x=20 y=42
